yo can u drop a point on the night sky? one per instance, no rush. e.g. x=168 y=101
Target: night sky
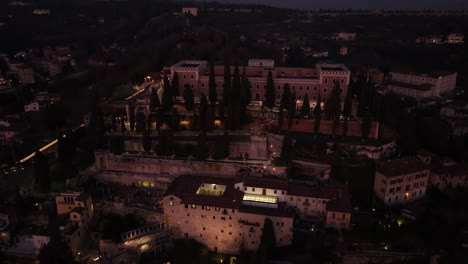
x=360 y=4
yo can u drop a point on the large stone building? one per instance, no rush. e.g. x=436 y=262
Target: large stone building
x=422 y=86
x=228 y=214
x=312 y=81
x=402 y=180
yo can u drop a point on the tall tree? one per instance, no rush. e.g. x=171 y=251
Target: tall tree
x=175 y=85
x=366 y=124
x=41 y=171
x=149 y=122
x=333 y=107
x=189 y=101
x=167 y=101
x=267 y=242
x=227 y=84
x=364 y=101
x=203 y=109
x=270 y=91
x=285 y=97
x=317 y=115
x=246 y=95
x=287 y=149
x=131 y=114
x=154 y=100
x=235 y=99
x=305 y=110
x=213 y=96
x=292 y=109
x=347 y=109
x=175 y=119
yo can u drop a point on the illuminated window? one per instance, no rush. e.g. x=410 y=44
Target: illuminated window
x=194 y=206
x=171 y=203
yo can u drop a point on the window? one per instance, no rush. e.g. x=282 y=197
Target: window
x=324 y=90
x=191 y=77
x=202 y=85
x=307 y=88
x=203 y=216
x=186 y=205
x=343 y=216
x=245 y=188
x=315 y=88
x=300 y=88
x=408 y=187
x=194 y=206
x=185 y=76
x=258 y=86
x=282 y=192
x=188 y=214
x=217 y=209
x=392 y=190
x=214 y=217
x=342 y=80
x=398 y=189
x=171 y=203
x=208 y=208
x=326 y=80
x=253 y=189
x=274 y=191
x=333 y=216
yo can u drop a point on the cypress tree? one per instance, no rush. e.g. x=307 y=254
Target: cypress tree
x=245 y=96
x=292 y=109
x=235 y=99
x=317 y=115
x=227 y=84
x=203 y=113
x=175 y=85
x=270 y=91
x=189 y=101
x=147 y=143
x=348 y=104
x=305 y=110
x=345 y=127
x=366 y=125
x=41 y=171
x=167 y=101
x=140 y=122
x=285 y=97
x=213 y=96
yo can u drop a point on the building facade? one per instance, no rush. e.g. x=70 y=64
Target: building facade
x=402 y=180
x=228 y=214
x=422 y=86
x=75 y=211
x=312 y=81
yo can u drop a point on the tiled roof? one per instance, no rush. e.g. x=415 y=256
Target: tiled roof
x=451 y=168
x=268 y=183
x=401 y=166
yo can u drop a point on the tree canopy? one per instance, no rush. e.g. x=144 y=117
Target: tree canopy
x=270 y=91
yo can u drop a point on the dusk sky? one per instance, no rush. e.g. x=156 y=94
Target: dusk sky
x=356 y=4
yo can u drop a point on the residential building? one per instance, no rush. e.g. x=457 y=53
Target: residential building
x=320 y=79
x=402 y=180
x=422 y=86
x=455 y=110
x=447 y=173
x=75 y=211
x=455 y=38
x=377 y=151
x=228 y=214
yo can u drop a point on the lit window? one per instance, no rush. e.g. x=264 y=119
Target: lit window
x=194 y=206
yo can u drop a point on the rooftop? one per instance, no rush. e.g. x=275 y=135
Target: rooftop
x=419 y=87
x=401 y=166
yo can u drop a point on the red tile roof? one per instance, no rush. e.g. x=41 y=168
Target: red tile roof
x=448 y=167
x=261 y=182
x=401 y=166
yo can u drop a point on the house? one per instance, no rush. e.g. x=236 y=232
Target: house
x=446 y=173
x=402 y=180
x=455 y=38
x=75 y=211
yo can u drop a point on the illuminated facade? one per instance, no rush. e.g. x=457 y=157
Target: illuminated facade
x=228 y=214
x=320 y=79
x=402 y=180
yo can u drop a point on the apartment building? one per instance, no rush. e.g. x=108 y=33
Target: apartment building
x=228 y=214
x=447 y=173
x=402 y=180
x=75 y=211
x=320 y=79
